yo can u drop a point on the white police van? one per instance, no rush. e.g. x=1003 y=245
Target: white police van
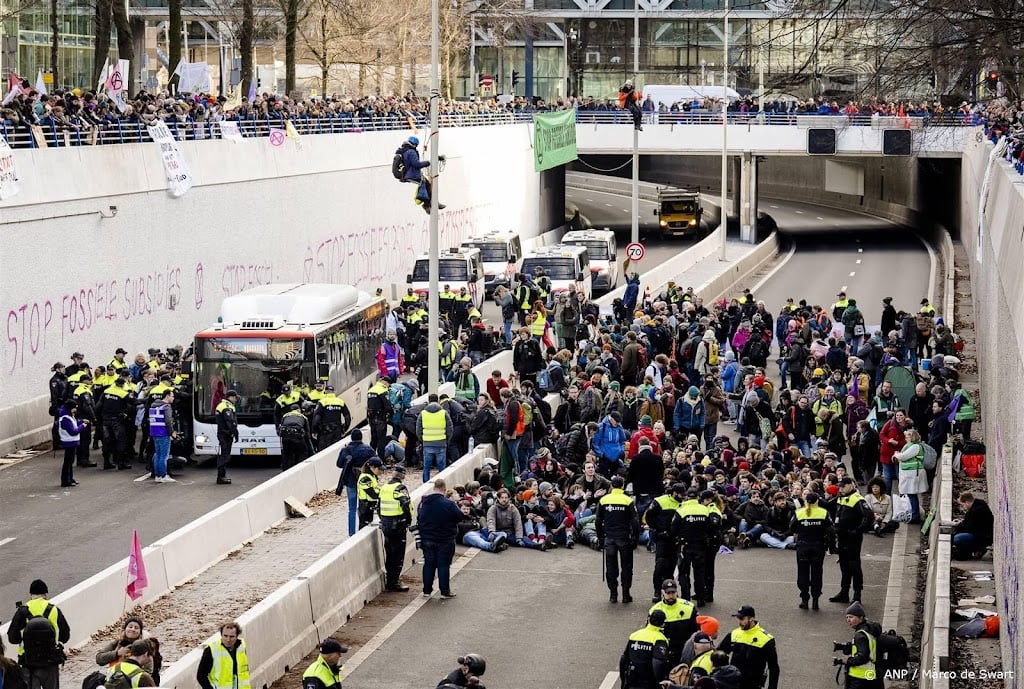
x=601 y=250
x=502 y=253
x=564 y=265
x=457 y=268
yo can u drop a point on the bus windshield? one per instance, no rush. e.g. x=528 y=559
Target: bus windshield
x=554 y=267
x=450 y=270
x=491 y=252
x=256 y=367
x=677 y=207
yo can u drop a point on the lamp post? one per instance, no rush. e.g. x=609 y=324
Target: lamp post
x=724 y=224
x=635 y=206
x=433 y=365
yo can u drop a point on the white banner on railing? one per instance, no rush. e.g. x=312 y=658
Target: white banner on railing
x=8 y=175
x=179 y=179
x=229 y=130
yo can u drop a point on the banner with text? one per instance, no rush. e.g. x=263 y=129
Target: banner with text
x=554 y=139
x=8 y=175
x=179 y=179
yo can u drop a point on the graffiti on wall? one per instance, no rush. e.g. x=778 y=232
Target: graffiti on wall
x=1007 y=561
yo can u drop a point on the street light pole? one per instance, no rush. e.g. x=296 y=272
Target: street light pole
x=433 y=365
x=724 y=224
x=635 y=206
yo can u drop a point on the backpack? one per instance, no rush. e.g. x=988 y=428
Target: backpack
x=119 y=679
x=94 y=680
x=688 y=352
x=398 y=165
x=713 y=354
x=544 y=380
x=527 y=415
x=757 y=350
x=39 y=639
x=892 y=652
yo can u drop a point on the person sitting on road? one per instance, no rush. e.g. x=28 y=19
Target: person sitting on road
x=474 y=533
x=972 y=534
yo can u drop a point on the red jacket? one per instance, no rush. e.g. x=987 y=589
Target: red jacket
x=634 y=442
x=891 y=431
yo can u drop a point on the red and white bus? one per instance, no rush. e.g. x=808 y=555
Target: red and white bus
x=283 y=333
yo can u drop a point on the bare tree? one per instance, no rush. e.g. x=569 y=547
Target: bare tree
x=294 y=13
x=246 y=44
x=101 y=36
x=174 y=29
x=54 y=42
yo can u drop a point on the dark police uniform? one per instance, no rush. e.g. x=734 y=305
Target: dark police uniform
x=396 y=514
x=331 y=419
x=116 y=405
x=227 y=431
x=680 y=625
x=644 y=662
x=754 y=654
x=296 y=441
x=666 y=555
x=814 y=533
x=690 y=527
x=618 y=529
x=378 y=413
x=852 y=514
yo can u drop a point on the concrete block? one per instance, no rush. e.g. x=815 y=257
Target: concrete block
x=91 y=603
x=344 y=578
x=325 y=466
x=203 y=542
x=279 y=631
x=181 y=674
x=265 y=502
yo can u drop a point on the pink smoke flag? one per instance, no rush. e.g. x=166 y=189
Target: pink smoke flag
x=137 y=580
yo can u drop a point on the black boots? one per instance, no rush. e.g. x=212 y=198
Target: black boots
x=814 y=604
x=841 y=597
x=222 y=477
x=626 y=598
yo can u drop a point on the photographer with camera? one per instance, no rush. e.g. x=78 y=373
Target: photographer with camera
x=861 y=654
x=40 y=629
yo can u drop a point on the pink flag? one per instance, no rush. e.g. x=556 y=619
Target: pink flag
x=137 y=579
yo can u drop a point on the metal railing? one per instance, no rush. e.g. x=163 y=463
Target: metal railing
x=50 y=135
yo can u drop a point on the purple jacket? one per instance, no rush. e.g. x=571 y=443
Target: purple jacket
x=70 y=430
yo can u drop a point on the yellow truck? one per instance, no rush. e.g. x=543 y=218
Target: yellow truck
x=679 y=212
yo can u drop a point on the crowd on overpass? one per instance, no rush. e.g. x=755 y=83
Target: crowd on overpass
x=1004 y=127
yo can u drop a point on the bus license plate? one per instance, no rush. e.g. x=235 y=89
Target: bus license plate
x=254 y=450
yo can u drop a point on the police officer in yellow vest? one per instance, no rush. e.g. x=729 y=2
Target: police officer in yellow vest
x=118 y=361
x=331 y=419
x=141 y=653
x=410 y=298
x=368 y=490
x=752 y=650
x=227 y=432
x=618 y=529
x=680 y=620
x=523 y=298
x=814 y=535
x=42 y=668
x=447 y=353
x=691 y=527
x=117 y=406
x=461 y=304
x=225 y=663
x=852 y=516
x=861 y=671
x=658 y=518
x=839 y=307
x=644 y=662
x=318 y=391
x=325 y=672
x=446 y=301
x=396 y=516
x=289 y=396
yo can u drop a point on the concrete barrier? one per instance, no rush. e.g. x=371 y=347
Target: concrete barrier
x=739 y=272
x=199 y=544
x=265 y=502
x=937 y=597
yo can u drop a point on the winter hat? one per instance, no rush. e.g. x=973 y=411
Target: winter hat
x=646 y=420
x=759 y=381
x=832 y=490
x=357 y=435
x=730 y=356
x=38 y=588
x=543 y=487
x=709 y=335
x=693 y=391
x=708 y=624
x=614 y=385
x=856 y=609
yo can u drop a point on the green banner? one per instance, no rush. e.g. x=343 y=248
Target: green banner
x=554 y=139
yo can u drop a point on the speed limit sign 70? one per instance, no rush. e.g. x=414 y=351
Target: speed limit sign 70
x=635 y=251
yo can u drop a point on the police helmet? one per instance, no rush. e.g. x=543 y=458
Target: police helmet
x=414 y=140
x=476 y=663
x=293 y=407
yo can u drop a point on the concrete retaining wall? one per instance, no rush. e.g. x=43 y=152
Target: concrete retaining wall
x=156 y=272
x=937 y=595
x=996 y=253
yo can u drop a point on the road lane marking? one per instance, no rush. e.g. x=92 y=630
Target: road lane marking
x=820 y=218
x=144 y=477
x=609 y=681
x=843 y=288
x=853 y=273
x=5 y=541
x=773 y=206
x=860 y=251
x=858 y=261
x=799 y=212
x=608 y=204
x=779 y=267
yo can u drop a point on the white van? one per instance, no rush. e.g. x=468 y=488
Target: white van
x=564 y=266
x=502 y=253
x=457 y=268
x=601 y=251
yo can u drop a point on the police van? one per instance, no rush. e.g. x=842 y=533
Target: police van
x=564 y=265
x=601 y=250
x=457 y=268
x=502 y=253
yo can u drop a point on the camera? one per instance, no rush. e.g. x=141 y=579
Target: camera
x=842 y=647
x=838 y=661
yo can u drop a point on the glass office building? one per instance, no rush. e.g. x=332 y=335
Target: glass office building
x=585 y=47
